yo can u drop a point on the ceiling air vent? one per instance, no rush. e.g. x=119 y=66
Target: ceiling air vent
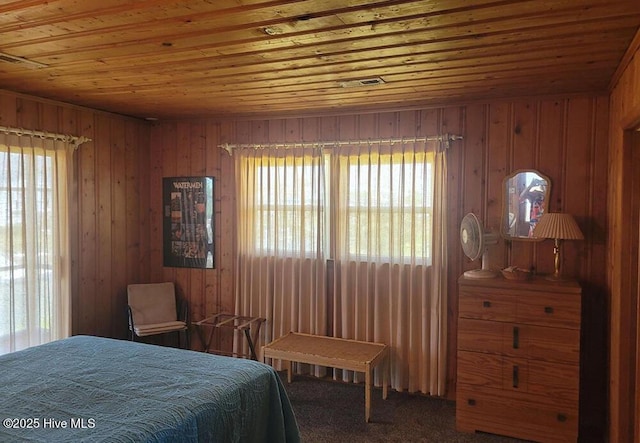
x=362 y=82
x=7 y=58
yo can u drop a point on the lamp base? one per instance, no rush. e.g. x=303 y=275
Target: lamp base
x=555 y=277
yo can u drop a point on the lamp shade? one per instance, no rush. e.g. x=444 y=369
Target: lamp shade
x=557 y=225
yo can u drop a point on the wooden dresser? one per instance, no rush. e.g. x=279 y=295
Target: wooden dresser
x=518 y=370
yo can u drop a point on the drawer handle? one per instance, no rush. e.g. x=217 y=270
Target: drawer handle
x=562 y=418
x=486 y=304
x=548 y=310
x=516 y=376
x=471 y=402
x=516 y=337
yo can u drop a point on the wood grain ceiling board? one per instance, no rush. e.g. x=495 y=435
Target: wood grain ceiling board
x=167 y=59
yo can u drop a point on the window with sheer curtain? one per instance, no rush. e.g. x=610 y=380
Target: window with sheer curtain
x=348 y=242
x=34 y=253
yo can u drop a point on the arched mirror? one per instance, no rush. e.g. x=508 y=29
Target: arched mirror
x=525 y=199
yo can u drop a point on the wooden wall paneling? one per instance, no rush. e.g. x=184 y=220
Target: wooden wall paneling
x=551 y=143
x=408 y=124
x=387 y=126
x=594 y=370
x=169 y=169
x=523 y=156
x=348 y=127
x=119 y=227
x=367 y=126
x=496 y=169
x=143 y=172
x=576 y=183
x=576 y=255
x=28 y=113
x=550 y=162
x=328 y=128
x=473 y=177
x=133 y=231
x=48 y=118
x=85 y=308
x=153 y=195
x=8 y=109
x=104 y=223
x=497 y=118
x=596 y=224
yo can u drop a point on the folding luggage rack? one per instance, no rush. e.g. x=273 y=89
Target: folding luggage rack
x=250 y=326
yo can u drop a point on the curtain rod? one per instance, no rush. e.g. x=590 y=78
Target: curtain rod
x=446 y=138
x=76 y=141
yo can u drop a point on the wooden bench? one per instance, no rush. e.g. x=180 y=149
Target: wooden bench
x=333 y=352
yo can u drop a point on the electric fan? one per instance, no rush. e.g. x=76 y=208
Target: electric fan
x=475 y=242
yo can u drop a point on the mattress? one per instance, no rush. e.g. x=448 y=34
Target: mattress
x=97 y=389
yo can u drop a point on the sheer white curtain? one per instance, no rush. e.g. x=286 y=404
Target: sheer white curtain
x=34 y=241
x=281 y=274
x=390 y=258
x=377 y=214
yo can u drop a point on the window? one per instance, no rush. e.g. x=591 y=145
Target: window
x=390 y=201
x=33 y=304
x=382 y=207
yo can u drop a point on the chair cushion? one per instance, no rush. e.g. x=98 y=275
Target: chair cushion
x=159 y=328
x=152 y=303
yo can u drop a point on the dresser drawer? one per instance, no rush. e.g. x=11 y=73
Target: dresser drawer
x=481 y=335
x=519 y=340
x=546 y=381
x=558 y=310
x=478 y=369
x=546 y=343
x=486 y=306
x=515 y=416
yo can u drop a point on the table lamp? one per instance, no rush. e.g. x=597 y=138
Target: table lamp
x=558 y=226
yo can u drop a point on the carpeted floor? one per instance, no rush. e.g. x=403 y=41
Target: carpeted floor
x=329 y=411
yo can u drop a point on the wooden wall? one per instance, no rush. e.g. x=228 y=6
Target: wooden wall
x=622 y=263
x=118 y=228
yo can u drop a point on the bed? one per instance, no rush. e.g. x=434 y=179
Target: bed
x=97 y=389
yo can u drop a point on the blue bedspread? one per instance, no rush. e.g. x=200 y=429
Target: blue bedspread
x=98 y=389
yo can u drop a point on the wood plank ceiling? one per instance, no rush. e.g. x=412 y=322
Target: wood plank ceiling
x=163 y=58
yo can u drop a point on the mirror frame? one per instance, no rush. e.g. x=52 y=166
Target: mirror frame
x=506 y=192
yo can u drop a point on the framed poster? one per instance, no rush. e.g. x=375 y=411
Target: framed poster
x=188 y=229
